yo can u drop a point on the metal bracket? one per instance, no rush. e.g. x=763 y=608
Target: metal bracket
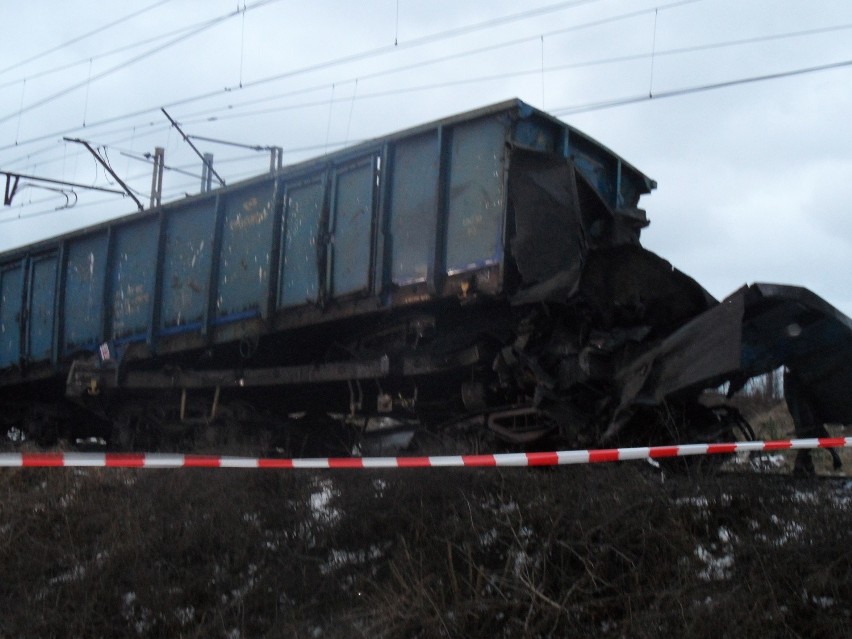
x=194 y=148
x=10 y=192
x=12 y=186
x=106 y=166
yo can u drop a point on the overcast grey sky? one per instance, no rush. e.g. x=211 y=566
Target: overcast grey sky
x=755 y=180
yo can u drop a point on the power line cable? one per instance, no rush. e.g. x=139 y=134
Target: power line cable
x=230 y=114
x=79 y=38
x=438 y=60
x=681 y=50
x=607 y=104
x=105 y=54
x=427 y=39
x=622 y=58
x=624 y=101
x=208 y=25
x=431 y=38
x=193 y=117
x=571 y=110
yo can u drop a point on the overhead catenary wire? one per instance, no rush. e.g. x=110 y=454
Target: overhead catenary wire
x=104 y=54
x=196 y=117
x=123 y=65
x=82 y=37
x=604 y=104
x=522 y=72
x=658 y=95
x=616 y=102
x=456 y=31
x=193 y=147
x=608 y=60
x=457 y=55
x=428 y=39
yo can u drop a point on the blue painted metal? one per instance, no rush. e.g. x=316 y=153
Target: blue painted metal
x=215 y=267
x=11 y=303
x=597 y=166
x=107 y=293
x=84 y=287
x=538 y=134
x=156 y=306
x=437 y=249
x=476 y=196
x=381 y=274
x=274 y=283
x=408 y=211
x=59 y=303
x=245 y=256
x=301 y=234
x=41 y=304
x=413 y=207
x=133 y=274
x=352 y=228
x=186 y=260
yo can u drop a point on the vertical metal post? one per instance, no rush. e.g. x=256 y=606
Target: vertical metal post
x=276 y=158
x=207 y=173
x=59 y=304
x=157 y=177
x=437 y=271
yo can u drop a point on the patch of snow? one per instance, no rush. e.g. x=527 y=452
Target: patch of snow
x=717 y=566
x=790 y=530
x=185 y=616
x=75 y=574
x=320 y=500
x=726 y=536
x=341 y=558
x=488 y=538
x=379 y=485
x=141 y=619
x=767 y=461
x=803 y=497
x=822 y=602
x=699 y=501
x=251 y=581
x=252 y=518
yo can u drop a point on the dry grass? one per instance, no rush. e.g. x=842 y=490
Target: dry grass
x=608 y=551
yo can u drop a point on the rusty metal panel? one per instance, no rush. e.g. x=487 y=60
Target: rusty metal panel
x=476 y=200
x=132 y=278
x=352 y=245
x=414 y=207
x=246 y=253
x=42 y=303
x=11 y=299
x=300 y=258
x=187 y=256
x=84 y=288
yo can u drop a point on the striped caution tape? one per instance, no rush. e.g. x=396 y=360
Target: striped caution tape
x=555 y=458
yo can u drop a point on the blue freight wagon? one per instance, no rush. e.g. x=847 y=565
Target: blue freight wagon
x=390 y=222
x=485 y=266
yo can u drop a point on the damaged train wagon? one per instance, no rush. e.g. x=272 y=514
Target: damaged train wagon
x=478 y=277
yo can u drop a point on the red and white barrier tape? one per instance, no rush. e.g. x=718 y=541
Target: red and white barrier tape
x=555 y=458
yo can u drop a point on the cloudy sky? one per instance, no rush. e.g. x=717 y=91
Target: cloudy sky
x=755 y=177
